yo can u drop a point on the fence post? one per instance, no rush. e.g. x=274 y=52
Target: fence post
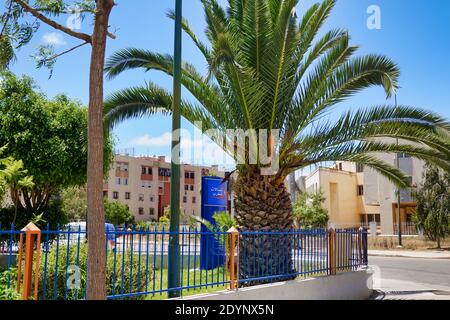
x=332 y=251
x=360 y=246
x=32 y=233
x=19 y=265
x=233 y=265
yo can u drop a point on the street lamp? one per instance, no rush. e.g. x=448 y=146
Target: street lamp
x=399 y=225
x=174 y=246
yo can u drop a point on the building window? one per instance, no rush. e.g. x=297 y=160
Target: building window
x=184 y=199
x=141 y=197
x=125 y=181
x=377 y=218
x=362 y=219
x=368 y=218
x=152 y=199
x=152 y=211
x=410 y=180
x=186 y=187
x=105 y=194
x=146 y=184
x=118 y=181
x=191 y=187
x=359 y=167
x=127 y=196
x=373 y=218
x=189 y=175
x=141 y=211
x=122 y=166
x=147 y=170
x=360 y=190
x=340 y=166
x=115 y=195
x=163 y=172
x=194 y=199
x=403 y=156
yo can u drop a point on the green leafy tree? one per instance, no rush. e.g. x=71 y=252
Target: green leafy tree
x=277 y=76
x=74 y=206
x=3 y=185
x=433 y=204
x=118 y=213
x=15 y=32
x=74 y=203
x=52 y=216
x=16 y=179
x=308 y=211
x=49 y=136
x=50 y=12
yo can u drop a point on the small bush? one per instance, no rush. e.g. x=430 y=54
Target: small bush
x=66 y=273
x=5 y=292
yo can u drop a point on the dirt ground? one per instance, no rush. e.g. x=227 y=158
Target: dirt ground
x=409 y=243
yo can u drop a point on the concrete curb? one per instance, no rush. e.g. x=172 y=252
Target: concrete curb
x=356 y=285
x=413 y=255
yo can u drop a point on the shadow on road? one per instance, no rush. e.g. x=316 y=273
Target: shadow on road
x=405 y=294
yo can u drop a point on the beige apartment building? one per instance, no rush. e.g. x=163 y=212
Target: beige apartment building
x=143 y=184
x=357 y=195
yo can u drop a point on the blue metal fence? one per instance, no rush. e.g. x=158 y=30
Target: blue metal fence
x=137 y=259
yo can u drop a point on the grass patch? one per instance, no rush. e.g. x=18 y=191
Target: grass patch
x=189 y=278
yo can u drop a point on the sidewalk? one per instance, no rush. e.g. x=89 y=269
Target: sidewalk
x=429 y=254
x=389 y=289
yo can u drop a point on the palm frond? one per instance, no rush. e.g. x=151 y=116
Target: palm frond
x=269 y=70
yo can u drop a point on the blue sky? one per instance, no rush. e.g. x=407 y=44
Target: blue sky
x=414 y=33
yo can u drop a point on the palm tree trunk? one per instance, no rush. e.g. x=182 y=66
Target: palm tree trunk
x=96 y=286
x=15 y=212
x=263 y=204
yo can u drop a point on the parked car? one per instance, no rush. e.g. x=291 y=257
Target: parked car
x=75 y=231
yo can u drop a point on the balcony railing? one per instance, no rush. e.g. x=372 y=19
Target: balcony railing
x=407 y=228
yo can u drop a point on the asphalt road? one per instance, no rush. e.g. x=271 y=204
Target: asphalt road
x=424 y=271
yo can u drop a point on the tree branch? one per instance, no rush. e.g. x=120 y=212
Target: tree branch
x=83 y=36
x=8 y=16
x=65 y=52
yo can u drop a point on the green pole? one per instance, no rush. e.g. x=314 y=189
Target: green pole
x=174 y=246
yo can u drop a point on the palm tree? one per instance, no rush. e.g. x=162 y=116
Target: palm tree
x=14 y=176
x=267 y=72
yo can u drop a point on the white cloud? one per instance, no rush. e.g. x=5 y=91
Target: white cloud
x=54 y=39
x=163 y=140
x=194 y=150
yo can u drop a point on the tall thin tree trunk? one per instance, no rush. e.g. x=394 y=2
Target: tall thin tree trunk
x=96 y=287
x=15 y=212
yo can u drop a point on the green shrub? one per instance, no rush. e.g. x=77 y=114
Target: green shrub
x=76 y=288
x=224 y=221
x=308 y=212
x=5 y=292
